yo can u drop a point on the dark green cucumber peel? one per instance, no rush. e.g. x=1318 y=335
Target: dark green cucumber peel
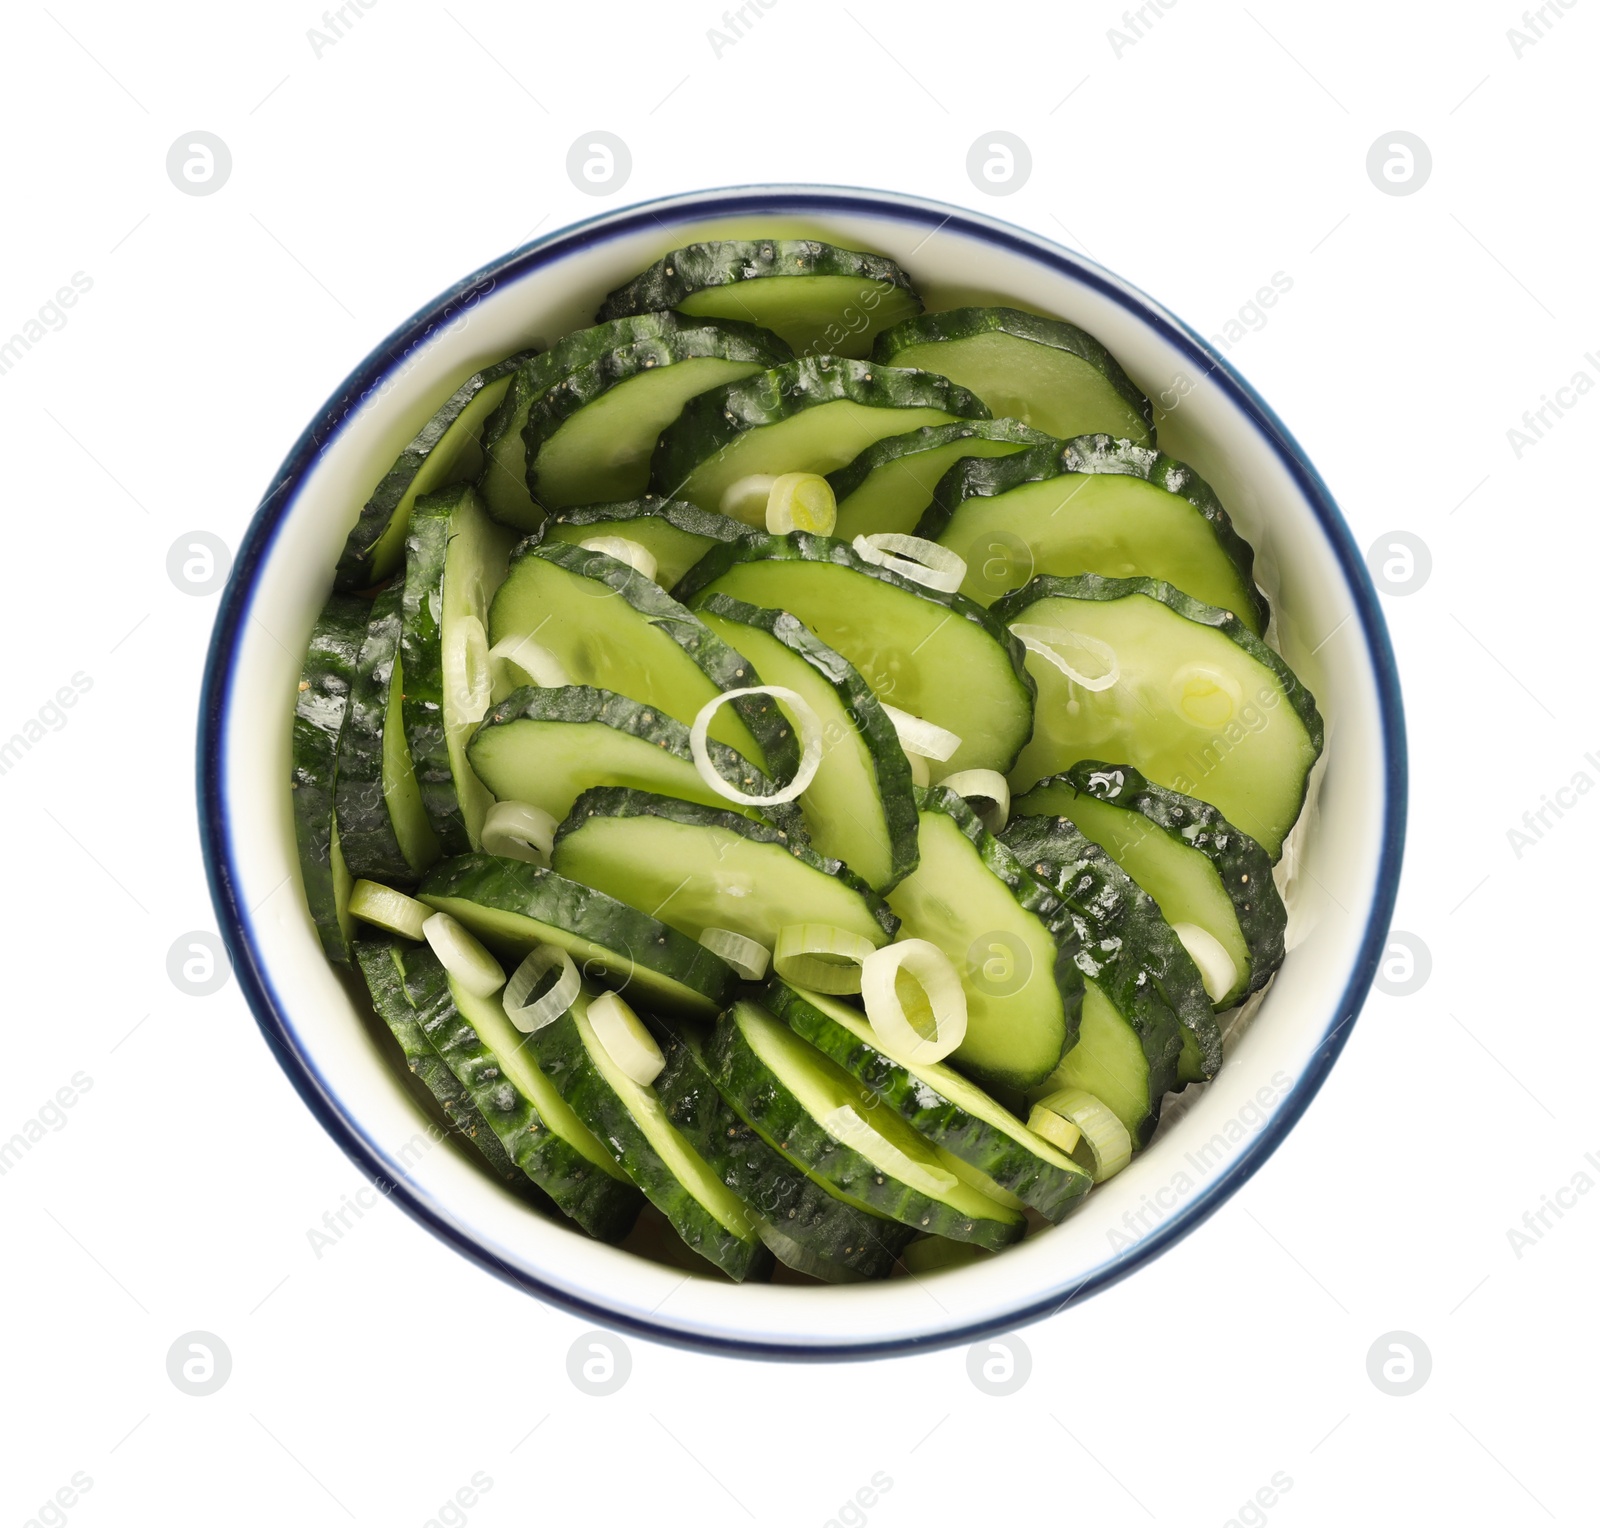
x=936 y=1102
x=512 y=906
x=1108 y=905
x=676 y=533
x=766 y=1102
x=376 y=544
x=321 y=704
x=988 y=477
x=836 y=1234
x=581 y=705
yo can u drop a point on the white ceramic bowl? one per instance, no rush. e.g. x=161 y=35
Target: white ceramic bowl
x=1328 y=627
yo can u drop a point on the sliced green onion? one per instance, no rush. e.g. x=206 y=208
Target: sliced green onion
x=637 y=557
x=516 y=830
x=801 y=501
x=746 y=498
x=910 y=989
x=922 y=561
x=987 y=793
x=920 y=737
x=536 y=661
x=748 y=957
x=553 y=1002
x=385 y=908
x=1106 y=1147
x=1048 y=642
x=821 y=957
x=850 y=1129
x=1217 y=969
x=463 y=957
x=465 y=659
x=1059 y=1132
x=625 y=1040
x=805 y=719
x=920 y=773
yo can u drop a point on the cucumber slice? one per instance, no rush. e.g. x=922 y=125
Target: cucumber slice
x=820 y=1233
x=1094 y=505
x=858 y=807
x=538 y=1130
x=675 y=533
x=1200 y=705
x=445 y=450
x=1044 y=371
x=370 y=795
x=1110 y=911
x=455 y=559
x=936 y=1101
x=811 y=415
x=891 y=483
x=588 y=438
x=998 y=925
x=655 y=1154
x=787 y=1089
x=938 y=656
x=697 y=868
x=322 y=703
x=546 y=747
x=615 y=630
x=1197 y=866
x=817 y=296
x=512 y=906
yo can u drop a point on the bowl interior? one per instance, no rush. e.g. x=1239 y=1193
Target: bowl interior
x=1345 y=853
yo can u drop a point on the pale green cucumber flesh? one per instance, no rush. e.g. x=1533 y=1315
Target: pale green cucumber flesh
x=674 y=548
x=1108 y=1061
x=895 y=494
x=829 y=315
x=418 y=842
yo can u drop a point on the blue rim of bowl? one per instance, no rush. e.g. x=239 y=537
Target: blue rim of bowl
x=370 y=374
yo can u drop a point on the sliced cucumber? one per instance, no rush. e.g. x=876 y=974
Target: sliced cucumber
x=546 y=747
x=322 y=703
x=1199 y=867
x=446 y=450
x=614 y=629
x=455 y=560
x=1044 y=371
x=655 y=1154
x=812 y=415
x=891 y=483
x=419 y=844
x=938 y=656
x=858 y=807
x=1199 y=705
x=936 y=1101
x=677 y=534
x=1095 y=505
x=819 y=1233
x=1126 y=942
x=695 y=868
x=512 y=906
x=996 y=923
x=796 y=1097
x=818 y=297
x=588 y=438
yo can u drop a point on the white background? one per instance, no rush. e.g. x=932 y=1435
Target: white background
x=1220 y=147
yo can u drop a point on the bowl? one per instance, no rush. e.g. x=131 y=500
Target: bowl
x=1328 y=626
